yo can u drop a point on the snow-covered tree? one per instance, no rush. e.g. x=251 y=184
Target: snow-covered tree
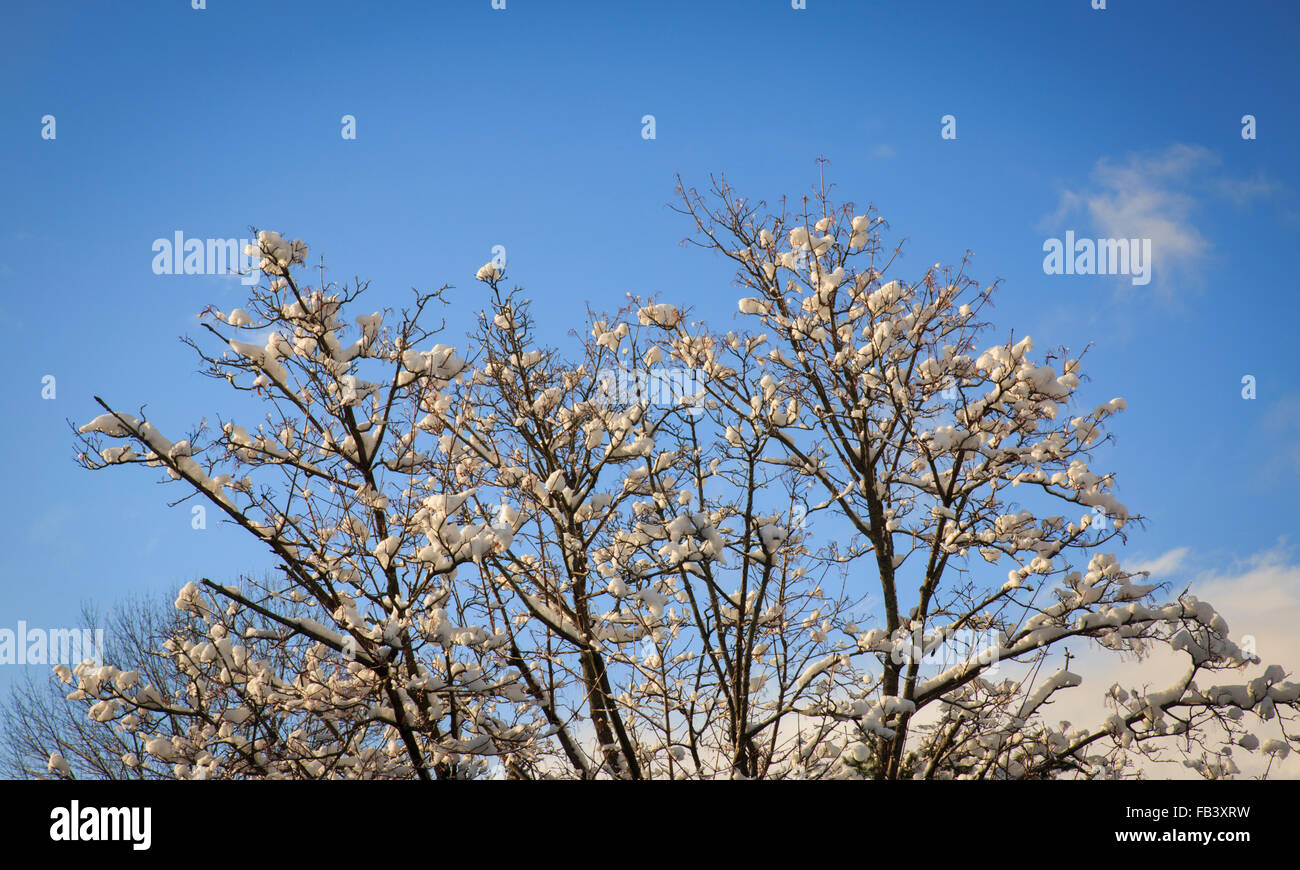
x=510 y=559
x=38 y=722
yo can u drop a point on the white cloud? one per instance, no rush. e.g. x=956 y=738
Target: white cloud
x=1243 y=191
x=1281 y=422
x=1157 y=196
x=1260 y=600
x=1162 y=565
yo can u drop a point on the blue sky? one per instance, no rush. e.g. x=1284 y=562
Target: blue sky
x=522 y=128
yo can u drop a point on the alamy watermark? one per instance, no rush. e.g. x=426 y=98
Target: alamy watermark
x=181 y=256
x=659 y=386
x=53 y=646
x=98 y=824
x=962 y=646
x=1099 y=257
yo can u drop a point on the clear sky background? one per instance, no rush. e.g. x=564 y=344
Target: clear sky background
x=522 y=127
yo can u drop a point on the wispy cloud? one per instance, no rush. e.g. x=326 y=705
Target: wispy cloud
x=1279 y=426
x=1241 y=192
x=1159 y=196
x=1164 y=565
x=1259 y=597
